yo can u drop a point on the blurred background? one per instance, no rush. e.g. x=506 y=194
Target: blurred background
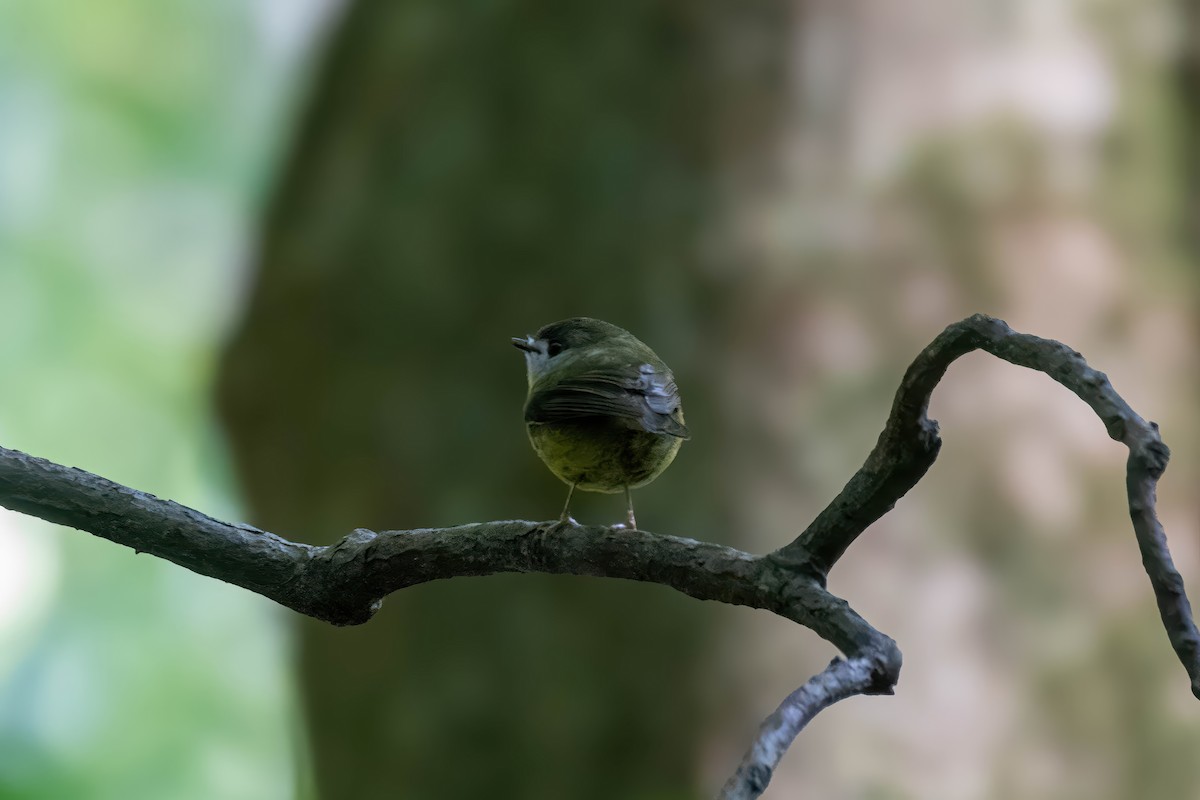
x=262 y=257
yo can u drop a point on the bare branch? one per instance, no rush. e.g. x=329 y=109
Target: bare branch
x=345 y=583
x=840 y=680
x=909 y=444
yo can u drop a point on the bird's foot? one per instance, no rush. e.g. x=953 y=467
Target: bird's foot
x=629 y=524
x=568 y=520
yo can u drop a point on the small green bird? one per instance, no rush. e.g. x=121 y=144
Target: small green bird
x=603 y=410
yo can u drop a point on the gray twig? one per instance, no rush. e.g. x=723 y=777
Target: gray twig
x=345 y=583
x=841 y=679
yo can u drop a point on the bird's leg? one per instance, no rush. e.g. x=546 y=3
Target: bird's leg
x=565 y=518
x=630 y=522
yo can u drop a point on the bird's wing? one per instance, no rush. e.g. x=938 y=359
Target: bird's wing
x=640 y=393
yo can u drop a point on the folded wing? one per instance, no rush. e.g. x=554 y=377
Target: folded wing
x=640 y=394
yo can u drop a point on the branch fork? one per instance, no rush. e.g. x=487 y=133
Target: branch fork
x=345 y=583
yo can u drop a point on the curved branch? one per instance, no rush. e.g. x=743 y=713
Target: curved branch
x=909 y=444
x=345 y=583
x=839 y=681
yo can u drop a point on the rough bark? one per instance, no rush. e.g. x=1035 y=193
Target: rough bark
x=345 y=583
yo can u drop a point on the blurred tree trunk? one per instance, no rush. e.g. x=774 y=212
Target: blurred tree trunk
x=1189 y=80
x=466 y=172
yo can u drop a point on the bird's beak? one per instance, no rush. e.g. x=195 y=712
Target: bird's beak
x=525 y=343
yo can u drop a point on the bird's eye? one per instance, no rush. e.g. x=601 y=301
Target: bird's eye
x=554 y=349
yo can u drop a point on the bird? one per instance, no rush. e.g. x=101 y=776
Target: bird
x=603 y=411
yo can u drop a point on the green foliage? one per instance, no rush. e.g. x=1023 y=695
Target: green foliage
x=135 y=141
